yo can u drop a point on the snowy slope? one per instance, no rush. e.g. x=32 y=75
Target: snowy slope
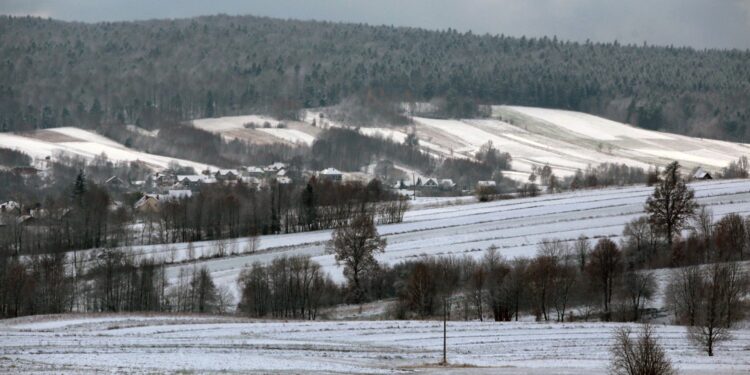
x=515 y=227
x=189 y=344
x=82 y=143
x=565 y=140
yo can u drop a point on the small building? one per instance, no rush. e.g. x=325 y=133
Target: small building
x=253 y=172
x=25 y=220
x=147 y=203
x=192 y=181
x=486 y=183
x=283 y=180
x=331 y=174
x=115 y=182
x=275 y=167
x=10 y=207
x=431 y=183
x=702 y=174
x=227 y=175
x=165 y=179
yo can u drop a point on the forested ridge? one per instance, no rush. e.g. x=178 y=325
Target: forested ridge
x=55 y=73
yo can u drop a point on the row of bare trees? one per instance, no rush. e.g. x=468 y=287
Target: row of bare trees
x=290 y=287
x=562 y=282
x=112 y=281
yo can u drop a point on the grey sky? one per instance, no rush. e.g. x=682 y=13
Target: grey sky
x=696 y=23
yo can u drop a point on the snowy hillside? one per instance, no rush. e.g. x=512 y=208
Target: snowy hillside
x=82 y=143
x=204 y=344
x=565 y=140
x=515 y=227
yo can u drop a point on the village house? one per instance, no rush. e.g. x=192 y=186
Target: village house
x=115 y=183
x=152 y=202
x=331 y=174
x=227 y=175
x=10 y=207
x=194 y=181
x=701 y=174
x=486 y=184
x=431 y=183
x=256 y=172
x=164 y=179
x=147 y=204
x=275 y=167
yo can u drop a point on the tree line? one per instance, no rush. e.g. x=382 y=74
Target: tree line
x=84 y=214
x=224 y=65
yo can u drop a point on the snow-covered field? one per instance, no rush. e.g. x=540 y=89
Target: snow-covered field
x=565 y=140
x=233 y=127
x=82 y=143
x=205 y=344
x=515 y=227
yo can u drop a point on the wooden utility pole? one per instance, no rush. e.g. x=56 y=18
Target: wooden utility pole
x=445 y=331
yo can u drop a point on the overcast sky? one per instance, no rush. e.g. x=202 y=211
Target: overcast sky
x=696 y=23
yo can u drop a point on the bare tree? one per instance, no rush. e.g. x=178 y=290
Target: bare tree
x=641 y=356
x=703 y=224
x=684 y=292
x=639 y=242
x=636 y=289
x=711 y=326
x=355 y=246
x=671 y=204
x=603 y=269
x=730 y=238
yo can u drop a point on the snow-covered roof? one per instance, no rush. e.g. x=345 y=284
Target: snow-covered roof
x=701 y=173
x=9 y=206
x=224 y=172
x=486 y=183
x=276 y=166
x=114 y=179
x=254 y=170
x=284 y=180
x=330 y=171
x=447 y=182
x=192 y=177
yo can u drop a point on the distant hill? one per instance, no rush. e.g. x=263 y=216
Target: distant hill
x=534 y=137
x=55 y=73
x=74 y=142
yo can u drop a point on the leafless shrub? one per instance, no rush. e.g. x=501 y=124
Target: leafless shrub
x=639 y=356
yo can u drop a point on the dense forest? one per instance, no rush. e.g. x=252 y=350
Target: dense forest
x=55 y=73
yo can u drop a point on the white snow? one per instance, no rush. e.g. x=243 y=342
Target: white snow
x=290 y=135
x=588 y=125
x=159 y=344
x=515 y=227
x=222 y=124
x=85 y=144
x=565 y=140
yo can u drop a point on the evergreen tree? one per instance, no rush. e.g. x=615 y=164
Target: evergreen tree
x=210 y=105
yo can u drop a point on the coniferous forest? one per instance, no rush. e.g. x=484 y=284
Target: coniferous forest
x=55 y=73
